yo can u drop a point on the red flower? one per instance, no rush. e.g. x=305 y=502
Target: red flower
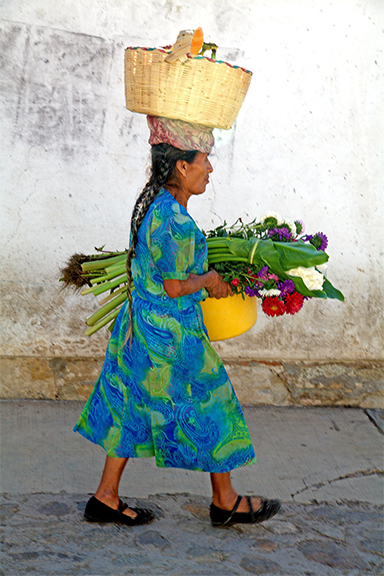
x=273 y=306
x=235 y=282
x=294 y=302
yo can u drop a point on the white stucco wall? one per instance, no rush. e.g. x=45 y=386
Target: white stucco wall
x=308 y=143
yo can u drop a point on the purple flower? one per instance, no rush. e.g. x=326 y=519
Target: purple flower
x=319 y=241
x=280 y=232
x=251 y=291
x=263 y=272
x=286 y=287
x=324 y=241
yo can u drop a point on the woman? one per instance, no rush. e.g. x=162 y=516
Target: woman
x=163 y=391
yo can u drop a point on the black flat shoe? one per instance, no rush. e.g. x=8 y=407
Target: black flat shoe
x=220 y=517
x=96 y=511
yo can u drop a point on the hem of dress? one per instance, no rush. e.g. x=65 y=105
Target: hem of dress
x=216 y=469
x=110 y=453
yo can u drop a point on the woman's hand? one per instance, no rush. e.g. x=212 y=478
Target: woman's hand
x=212 y=281
x=216 y=287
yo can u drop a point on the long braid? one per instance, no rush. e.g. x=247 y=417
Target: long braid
x=141 y=208
x=164 y=158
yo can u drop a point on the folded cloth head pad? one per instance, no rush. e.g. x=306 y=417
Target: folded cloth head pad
x=179 y=134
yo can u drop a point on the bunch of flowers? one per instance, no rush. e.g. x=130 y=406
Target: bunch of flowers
x=270 y=259
x=273 y=260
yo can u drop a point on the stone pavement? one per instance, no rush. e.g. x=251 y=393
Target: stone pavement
x=326 y=464
x=45 y=534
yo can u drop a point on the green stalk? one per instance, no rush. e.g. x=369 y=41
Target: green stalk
x=121 y=262
x=107 y=254
x=100 y=264
x=225 y=258
x=112 y=325
x=91 y=274
x=109 y=276
x=218 y=250
x=96 y=316
x=112 y=295
x=218 y=242
x=103 y=322
x=96 y=290
x=220 y=254
x=118 y=266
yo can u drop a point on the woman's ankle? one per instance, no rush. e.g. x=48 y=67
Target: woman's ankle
x=106 y=495
x=225 y=501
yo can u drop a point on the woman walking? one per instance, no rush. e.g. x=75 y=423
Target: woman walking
x=163 y=391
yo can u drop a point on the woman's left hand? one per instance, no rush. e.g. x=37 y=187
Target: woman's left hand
x=216 y=287
x=211 y=280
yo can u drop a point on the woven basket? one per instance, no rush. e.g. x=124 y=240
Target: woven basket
x=200 y=90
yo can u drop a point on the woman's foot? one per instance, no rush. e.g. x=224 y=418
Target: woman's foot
x=228 y=500
x=246 y=510
x=97 y=511
x=113 y=501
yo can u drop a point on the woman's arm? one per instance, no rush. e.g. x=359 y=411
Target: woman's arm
x=212 y=281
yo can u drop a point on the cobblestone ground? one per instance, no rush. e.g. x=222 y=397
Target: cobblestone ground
x=46 y=534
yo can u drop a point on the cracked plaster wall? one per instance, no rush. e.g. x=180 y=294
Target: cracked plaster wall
x=308 y=144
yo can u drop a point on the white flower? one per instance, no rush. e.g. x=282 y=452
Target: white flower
x=272 y=292
x=272 y=215
x=291 y=225
x=322 y=268
x=310 y=276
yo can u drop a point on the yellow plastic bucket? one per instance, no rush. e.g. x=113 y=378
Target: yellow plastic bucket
x=229 y=317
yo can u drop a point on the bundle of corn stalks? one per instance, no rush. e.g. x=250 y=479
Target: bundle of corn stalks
x=101 y=272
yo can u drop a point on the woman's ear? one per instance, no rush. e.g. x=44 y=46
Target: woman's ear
x=181 y=167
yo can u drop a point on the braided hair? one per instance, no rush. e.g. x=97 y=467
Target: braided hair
x=163 y=170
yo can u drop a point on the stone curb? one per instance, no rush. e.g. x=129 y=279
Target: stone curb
x=257 y=383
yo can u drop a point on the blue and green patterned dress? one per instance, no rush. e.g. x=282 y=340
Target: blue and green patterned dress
x=168 y=395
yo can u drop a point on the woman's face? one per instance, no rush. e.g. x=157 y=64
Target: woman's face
x=197 y=174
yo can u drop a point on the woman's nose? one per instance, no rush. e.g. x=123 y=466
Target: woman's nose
x=210 y=168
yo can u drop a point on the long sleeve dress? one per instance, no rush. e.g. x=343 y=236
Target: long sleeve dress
x=168 y=394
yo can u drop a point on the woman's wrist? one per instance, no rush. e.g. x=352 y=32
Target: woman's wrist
x=210 y=280
x=178 y=288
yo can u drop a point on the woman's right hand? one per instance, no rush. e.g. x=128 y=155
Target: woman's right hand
x=216 y=287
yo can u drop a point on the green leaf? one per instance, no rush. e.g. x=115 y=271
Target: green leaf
x=295 y=254
x=331 y=291
x=239 y=247
x=270 y=254
x=301 y=287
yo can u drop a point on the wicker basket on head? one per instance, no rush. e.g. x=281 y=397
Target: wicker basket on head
x=199 y=90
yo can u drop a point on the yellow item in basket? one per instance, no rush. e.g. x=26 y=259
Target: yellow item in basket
x=229 y=317
x=187 y=42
